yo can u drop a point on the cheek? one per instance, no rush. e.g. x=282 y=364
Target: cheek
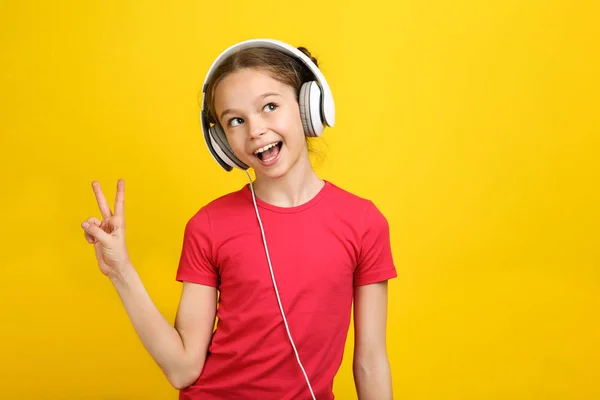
x=290 y=124
x=237 y=142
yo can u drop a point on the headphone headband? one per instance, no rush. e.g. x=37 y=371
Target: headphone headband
x=328 y=107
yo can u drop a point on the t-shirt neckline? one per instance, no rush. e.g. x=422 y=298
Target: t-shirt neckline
x=301 y=207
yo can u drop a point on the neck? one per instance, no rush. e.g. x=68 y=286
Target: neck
x=299 y=185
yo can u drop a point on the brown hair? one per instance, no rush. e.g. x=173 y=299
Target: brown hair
x=279 y=65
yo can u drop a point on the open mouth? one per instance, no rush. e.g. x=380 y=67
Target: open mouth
x=269 y=153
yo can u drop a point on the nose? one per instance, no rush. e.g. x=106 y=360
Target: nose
x=256 y=127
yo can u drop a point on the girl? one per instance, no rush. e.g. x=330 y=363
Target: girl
x=278 y=262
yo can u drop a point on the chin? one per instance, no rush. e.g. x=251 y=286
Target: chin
x=274 y=172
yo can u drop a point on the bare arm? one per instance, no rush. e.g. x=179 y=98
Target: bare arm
x=179 y=351
x=371 y=366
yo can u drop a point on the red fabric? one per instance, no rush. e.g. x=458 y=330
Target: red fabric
x=319 y=251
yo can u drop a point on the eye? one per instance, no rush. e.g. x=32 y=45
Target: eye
x=235 y=122
x=270 y=107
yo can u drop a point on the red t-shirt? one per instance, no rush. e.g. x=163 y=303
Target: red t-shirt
x=319 y=251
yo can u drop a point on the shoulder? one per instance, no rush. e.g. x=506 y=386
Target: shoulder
x=225 y=207
x=371 y=236
x=361 y=208
x=346 y=197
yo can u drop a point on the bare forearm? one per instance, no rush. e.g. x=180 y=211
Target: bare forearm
x=158 y=336
x=373 y=379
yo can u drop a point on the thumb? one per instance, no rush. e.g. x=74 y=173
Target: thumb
x=96 y=232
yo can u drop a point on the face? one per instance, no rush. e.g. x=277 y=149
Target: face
x=261 y=119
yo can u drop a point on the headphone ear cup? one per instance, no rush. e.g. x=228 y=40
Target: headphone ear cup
x=222 y=147
x=309 y=101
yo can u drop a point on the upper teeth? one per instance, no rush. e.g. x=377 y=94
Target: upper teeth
x=267 y=147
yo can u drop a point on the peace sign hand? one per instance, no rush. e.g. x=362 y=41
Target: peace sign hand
x=108 y=235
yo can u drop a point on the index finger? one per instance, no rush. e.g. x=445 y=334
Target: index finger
x=101 y=200
x=120 y=198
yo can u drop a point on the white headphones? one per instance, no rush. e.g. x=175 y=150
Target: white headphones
x=317 y=108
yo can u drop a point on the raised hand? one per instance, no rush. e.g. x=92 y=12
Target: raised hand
x=108 y=235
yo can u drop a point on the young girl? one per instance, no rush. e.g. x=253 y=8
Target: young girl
x=279 y=261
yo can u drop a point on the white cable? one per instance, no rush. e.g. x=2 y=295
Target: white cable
x=275 y=286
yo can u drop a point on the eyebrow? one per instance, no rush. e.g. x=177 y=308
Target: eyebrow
x=262 y=96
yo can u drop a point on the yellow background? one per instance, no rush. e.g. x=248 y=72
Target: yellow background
x=473 y=126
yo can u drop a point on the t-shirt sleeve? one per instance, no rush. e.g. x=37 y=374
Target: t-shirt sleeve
x=196 y=261
x=375 y=262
